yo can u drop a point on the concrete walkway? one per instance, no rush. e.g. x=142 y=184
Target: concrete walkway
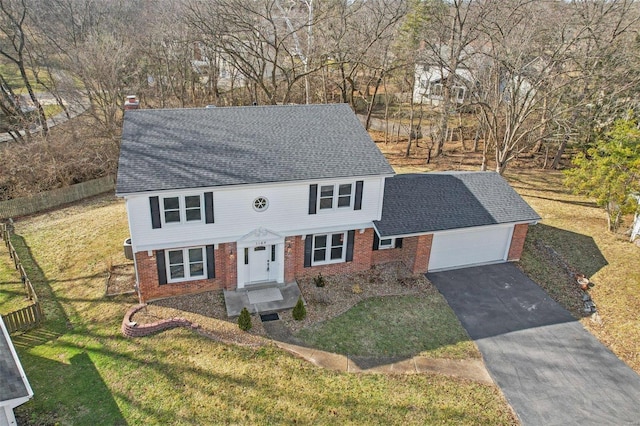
x=551 y=370
x=467 y=369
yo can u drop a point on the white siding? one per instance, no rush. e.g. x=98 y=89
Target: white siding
x=287 y=214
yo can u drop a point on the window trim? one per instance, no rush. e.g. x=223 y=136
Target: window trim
x=182 y=210
x=186 y=263
x=392 y=243
x=335 y=197
x=328 y=248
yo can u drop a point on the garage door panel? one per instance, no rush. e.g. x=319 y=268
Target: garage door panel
x=470 y=247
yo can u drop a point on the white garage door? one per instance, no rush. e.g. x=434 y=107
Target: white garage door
x=460 y=248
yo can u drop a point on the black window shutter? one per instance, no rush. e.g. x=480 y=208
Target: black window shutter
x=211 y=263
x=350 y=237
x=162 y=270
x=376 y=241
x=358 y=203
x=208 y=207
x=313 y=198
x=398 y=242
x=154 y=203
x=308 y=248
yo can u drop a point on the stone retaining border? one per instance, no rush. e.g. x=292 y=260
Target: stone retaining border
x=131 y=328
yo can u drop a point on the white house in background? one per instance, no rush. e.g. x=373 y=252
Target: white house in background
x=428 y=84
x=204 y=61
x=15 y=389
x=229 y=198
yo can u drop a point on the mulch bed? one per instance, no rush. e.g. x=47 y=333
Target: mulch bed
x=340 y=293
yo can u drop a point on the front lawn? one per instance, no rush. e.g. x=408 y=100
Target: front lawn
x=394 y=326
x=84 y=372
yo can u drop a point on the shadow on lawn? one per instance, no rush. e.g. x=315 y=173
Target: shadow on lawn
x=85 y=392
x=578 y=252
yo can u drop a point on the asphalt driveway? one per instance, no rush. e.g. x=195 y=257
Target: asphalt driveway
x=551 y=370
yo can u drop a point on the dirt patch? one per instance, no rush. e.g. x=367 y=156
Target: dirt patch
x=121 y=280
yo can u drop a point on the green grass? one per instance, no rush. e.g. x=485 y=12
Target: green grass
x=12 y=75
x=400 y=326
x=84 y=372
x=12 y=293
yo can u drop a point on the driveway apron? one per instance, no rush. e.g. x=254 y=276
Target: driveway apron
x=551 y=370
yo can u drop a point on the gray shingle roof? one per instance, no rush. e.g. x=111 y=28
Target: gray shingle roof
x=190 y=148
x=421 y=203
x=12 y=384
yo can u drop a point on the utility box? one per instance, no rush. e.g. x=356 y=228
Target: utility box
x=128 y=250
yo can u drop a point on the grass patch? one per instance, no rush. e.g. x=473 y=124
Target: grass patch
x=394 y=326
x=12 y=293
x=11 y=73
x=84 y=372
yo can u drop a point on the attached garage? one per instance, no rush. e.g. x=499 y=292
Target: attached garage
x=454 y=219
x=471 y=246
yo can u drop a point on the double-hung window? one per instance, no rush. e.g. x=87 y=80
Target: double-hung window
x=335 y=196
x=185 y=264
x=182 y=209
x=329 y=248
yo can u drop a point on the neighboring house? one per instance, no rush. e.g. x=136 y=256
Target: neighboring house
x=14 y=386
x=429 y=80
x=224 y=198
x=204 y=62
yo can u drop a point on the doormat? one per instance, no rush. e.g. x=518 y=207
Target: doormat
x=269 y=317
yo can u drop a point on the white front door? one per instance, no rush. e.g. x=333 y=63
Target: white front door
x=259 y=263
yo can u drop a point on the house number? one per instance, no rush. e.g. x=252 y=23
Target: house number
x=261 y=243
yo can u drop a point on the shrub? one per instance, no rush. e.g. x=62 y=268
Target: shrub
x=299 y=311
x=319 y=281
x=356 y=289
x=244 y=320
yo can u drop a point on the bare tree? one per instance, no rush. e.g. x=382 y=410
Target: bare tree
x=262 y=39
x=603 y=59
x=451 y=40
x=13 y=46
x=96 y=42
x=356 y=38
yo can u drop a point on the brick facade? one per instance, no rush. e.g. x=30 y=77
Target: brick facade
x=414 y=253
x=294 y=258
x=148 y=284
x=517 y=241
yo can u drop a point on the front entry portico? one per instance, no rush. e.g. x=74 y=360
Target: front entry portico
x=260 y=258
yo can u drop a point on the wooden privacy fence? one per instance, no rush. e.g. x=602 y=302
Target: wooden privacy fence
x=31 y=316
x=56 y=197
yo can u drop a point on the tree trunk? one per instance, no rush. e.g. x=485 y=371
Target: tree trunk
x=372 y=103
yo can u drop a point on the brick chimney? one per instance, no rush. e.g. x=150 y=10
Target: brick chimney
x=131 y=102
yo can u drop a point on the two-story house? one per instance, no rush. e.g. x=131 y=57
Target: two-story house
x=224 y=198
